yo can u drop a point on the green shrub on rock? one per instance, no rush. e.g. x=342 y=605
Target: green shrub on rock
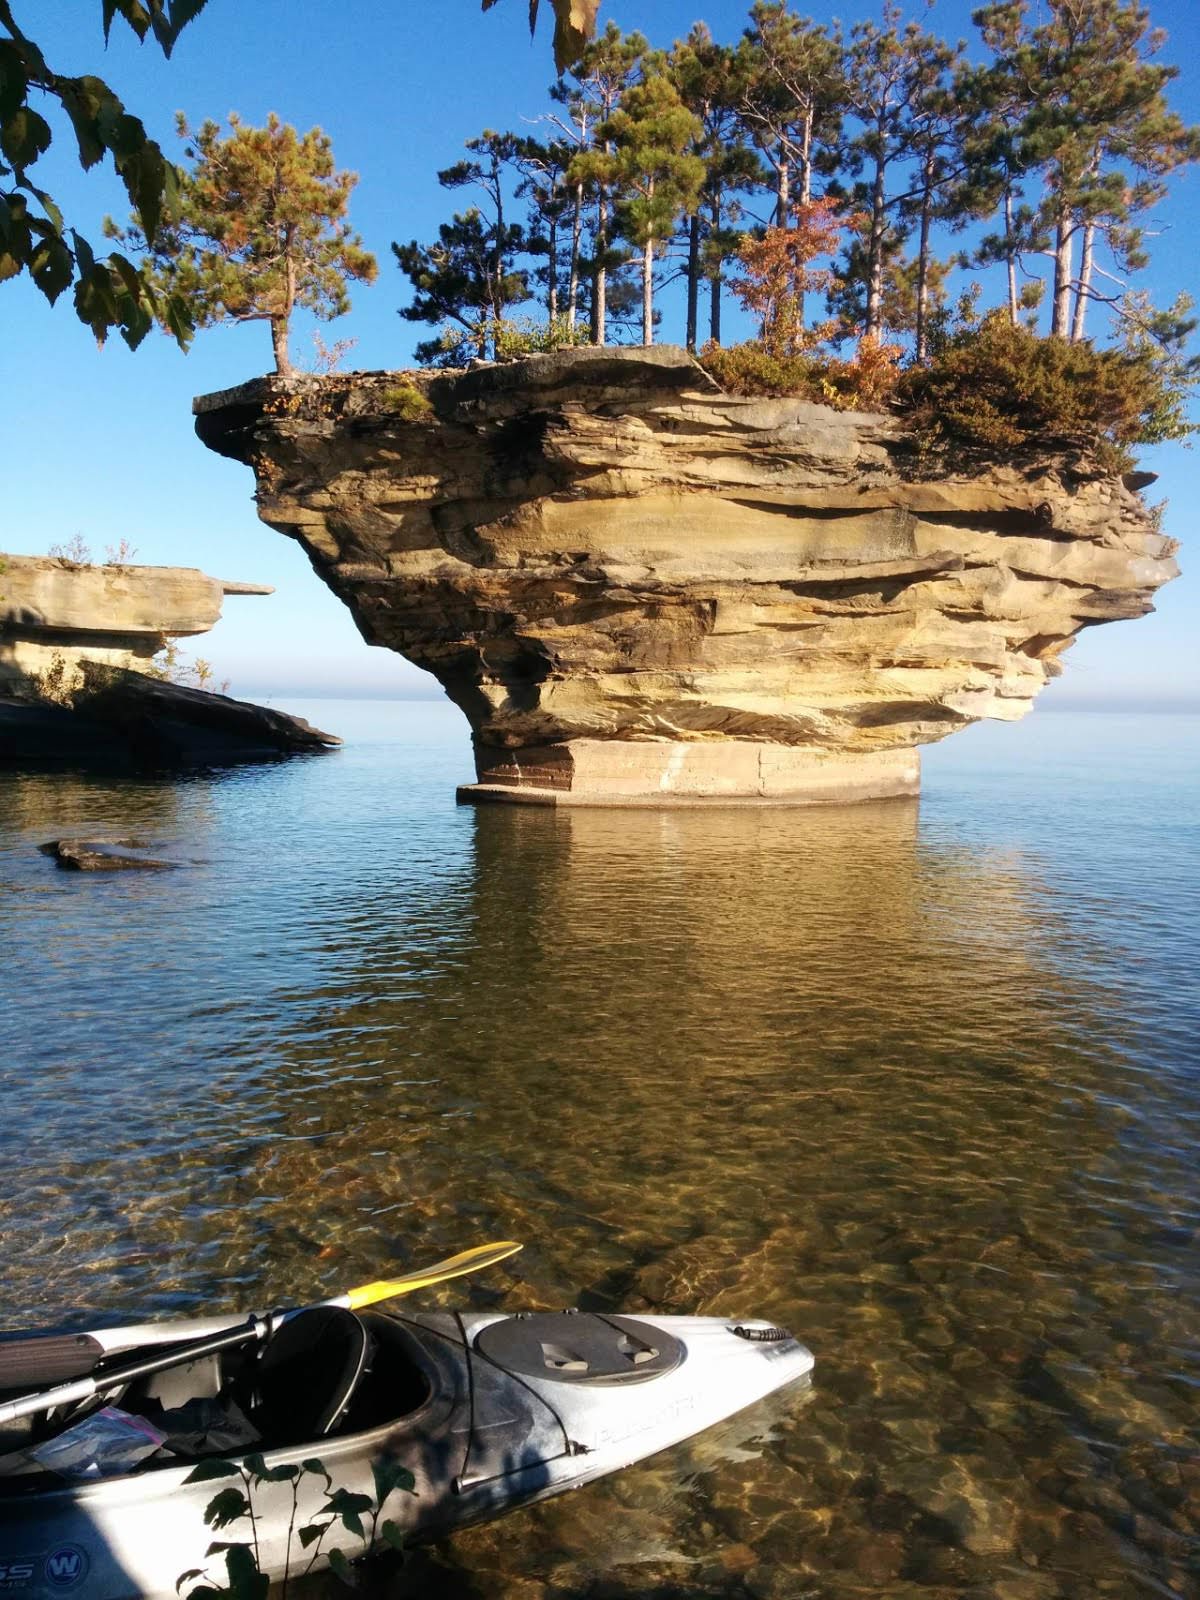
x=1005 y=387
x=992 y=384
x=407 y=402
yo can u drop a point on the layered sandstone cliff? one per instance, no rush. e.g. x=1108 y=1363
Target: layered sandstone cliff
x=118 y=615
x=70 y=633
x=638 y=588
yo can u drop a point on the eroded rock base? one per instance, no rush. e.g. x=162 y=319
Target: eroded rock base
x=616 y=772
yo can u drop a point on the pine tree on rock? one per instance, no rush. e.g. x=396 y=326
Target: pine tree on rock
x=789 y=77
x=606 y=68
x=706 y=75
x=885 y=66
x=1098 y=130
x=650 y=169
x=257 y=228
x=467 y=278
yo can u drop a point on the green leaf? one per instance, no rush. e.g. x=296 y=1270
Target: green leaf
x=177 y=319
x=283 y=1474
x=228 y=1506
x=393 y=1534
x=24 y=137
x=14 y=80
x=256 y=1466
x=87 y=260
x=52 y=268
x=204 y=1471
x=134 y=13
x=53 y=214
x=123 y=134
x=167 y=29
x=186 y=1577
x=84 y=99
x=144 y=174
x=312 y=1533
x=341 y=1568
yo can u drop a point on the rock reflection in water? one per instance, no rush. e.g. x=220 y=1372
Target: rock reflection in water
x=836 y=1068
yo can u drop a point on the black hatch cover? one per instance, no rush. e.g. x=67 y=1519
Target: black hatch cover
x=580 y=1347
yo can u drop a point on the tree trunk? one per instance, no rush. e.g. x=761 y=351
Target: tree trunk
x=1010 y=256
x=497 y=256
x=693 y=280
x=923 y=264
x=279 y=340
x=600 y=282
x=875 y=257
x=280 y=321
x=552 y=279
x=1064 y=250
x=1086 y=262
x=576 y=237
x=714 y=304
x=783 y=195
x=806 y=160
x=648 y=292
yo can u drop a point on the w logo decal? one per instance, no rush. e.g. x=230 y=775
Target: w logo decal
x=66 y=1566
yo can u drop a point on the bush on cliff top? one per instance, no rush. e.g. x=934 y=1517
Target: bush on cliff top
x=863 y=384
x=990 y=384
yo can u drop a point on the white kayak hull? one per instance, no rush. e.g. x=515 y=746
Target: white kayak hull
x=495 y=1432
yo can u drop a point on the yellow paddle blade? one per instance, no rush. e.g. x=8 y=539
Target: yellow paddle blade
x=473 y=1260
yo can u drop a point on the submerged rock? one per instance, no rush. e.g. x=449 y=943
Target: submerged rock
x=639 y=589
x=103 y=855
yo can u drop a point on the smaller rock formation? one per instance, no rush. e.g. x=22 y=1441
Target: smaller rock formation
x=53 y=610
x=124 y=721
x=70 y=635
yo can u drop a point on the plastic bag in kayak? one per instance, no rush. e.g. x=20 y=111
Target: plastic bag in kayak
x=103 y=1445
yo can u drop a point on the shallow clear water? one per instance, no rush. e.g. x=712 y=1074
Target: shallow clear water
x=920 y=1080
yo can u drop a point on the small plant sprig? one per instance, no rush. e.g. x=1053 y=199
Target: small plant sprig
x=359 y=1514
x=120 y=554
x=72 y=555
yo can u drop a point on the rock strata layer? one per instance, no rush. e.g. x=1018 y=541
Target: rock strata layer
x=60 y=613
x=639 y=589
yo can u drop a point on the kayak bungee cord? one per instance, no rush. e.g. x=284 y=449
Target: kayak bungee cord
x=571 y=1447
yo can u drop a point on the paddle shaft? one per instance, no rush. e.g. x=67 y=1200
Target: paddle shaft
x=84 y=1388
x=472 y=1260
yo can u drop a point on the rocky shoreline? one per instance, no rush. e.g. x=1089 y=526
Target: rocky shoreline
x=78 y=684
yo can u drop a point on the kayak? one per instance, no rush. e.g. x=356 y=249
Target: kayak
x=487 y=1412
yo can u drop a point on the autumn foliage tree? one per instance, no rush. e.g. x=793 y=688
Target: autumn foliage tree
x=776 y=271
x=258 y=227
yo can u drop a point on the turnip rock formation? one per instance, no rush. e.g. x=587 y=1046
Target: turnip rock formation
x=641 y=590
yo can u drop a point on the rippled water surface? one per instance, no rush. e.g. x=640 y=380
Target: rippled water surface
x=921 y=1081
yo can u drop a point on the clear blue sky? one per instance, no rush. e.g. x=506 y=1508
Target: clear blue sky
x=100 y=443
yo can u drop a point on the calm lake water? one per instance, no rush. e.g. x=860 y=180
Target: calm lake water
x=921 y=1081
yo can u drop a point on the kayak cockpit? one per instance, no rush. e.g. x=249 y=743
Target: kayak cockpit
x=325 y=1372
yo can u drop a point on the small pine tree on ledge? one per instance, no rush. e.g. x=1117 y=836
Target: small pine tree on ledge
x=258 y=228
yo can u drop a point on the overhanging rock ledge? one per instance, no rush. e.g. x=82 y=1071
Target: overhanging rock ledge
x=643 y=591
